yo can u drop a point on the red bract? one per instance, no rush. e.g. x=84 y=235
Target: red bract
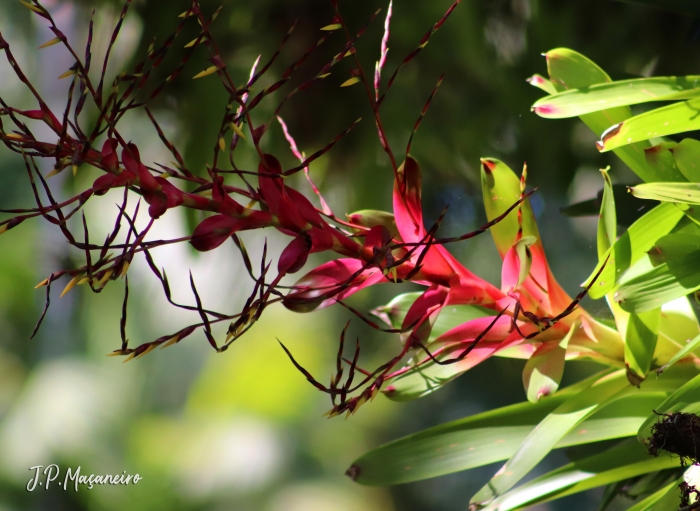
x=527 y=314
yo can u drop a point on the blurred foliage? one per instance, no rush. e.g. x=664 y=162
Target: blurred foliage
x=242 y=430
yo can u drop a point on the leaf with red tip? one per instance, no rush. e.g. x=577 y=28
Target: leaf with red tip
x=294 y=255
x=501 y=188
x=408 y=213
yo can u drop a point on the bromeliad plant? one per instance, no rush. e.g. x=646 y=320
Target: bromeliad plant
x=459 y=320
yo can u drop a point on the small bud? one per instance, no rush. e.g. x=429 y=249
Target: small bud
x=105 y=278
x=222 y=143
x=125 y=268
x=68 y=73
x=208 y=71
x=170 y=342
x=332 y=26
x=53 y=41
x=70 y=285
x=194 y=41
x=237 y=130
x=350 y=81
x=40 y=284
x=147 y=350
x=34 y=8
x=116 y=353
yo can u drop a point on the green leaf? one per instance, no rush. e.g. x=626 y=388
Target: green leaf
x=640 y=343
x=571 y=70
x=544 y=369
x=673 y=271
x=548 y=433
x=495 y=435
x=677 y=327
x=621 y=462
x=685 y=193
x=684 y=351
x=633 y=245
x=687 y=156
x=501 y=188
x=662 y=498
x=668 y=120
x=542 y=83
x=605 y=391
x=607 y=222
x=584 y=100
x=660 y=158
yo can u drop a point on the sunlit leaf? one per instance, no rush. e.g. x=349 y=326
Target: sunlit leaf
x=672 y=271
x=608 y=389
x=683 y=352
x=576 y=102
x=640 y=342
x=571 y=70
x=633 y=245
x=495 y=435
x=668 y=120
x=618 y=463
x=685 y=193
x=687 y=156
x=607 y=222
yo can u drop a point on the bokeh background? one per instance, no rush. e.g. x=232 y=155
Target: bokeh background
x=243 y=430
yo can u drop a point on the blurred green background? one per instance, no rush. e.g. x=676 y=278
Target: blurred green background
x=243 y=430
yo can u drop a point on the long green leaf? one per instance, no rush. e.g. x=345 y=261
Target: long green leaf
x=633 y=245
x=618 y=463
x=387 y=464
x=668 y=120
x=683 y=352
x=685 y=193
x=673 y=271
x=576 y=102
x=658 y=498
x=607 y=223
x=548 y=433
x=571 y=70
x=568 y=415
x=687 y=156
x=640 y=343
